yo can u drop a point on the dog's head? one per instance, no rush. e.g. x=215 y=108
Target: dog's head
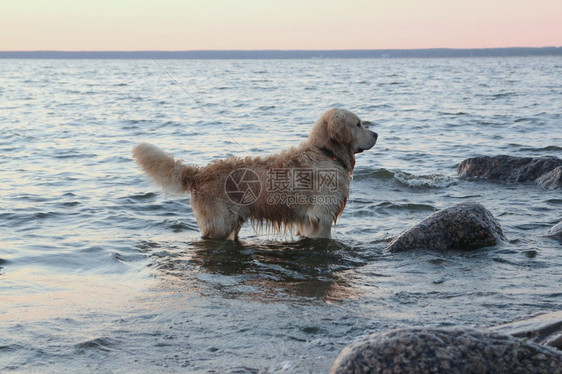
x=343 y=129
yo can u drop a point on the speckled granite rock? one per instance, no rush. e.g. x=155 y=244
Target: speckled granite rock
x=551 y=180
x=544 y=329
x=504 y=168
x=436 y=350
x=462 y=226
x=555 y=231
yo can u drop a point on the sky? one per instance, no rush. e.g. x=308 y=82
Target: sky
x=167 y=25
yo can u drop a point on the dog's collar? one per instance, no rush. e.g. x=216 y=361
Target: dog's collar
x=333 y=156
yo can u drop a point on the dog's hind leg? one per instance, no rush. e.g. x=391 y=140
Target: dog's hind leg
x=217 y=223
x=219 y=228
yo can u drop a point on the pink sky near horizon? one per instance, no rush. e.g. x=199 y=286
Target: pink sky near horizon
x=106 y=25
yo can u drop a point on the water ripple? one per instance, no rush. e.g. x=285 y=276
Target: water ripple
x=102 y=271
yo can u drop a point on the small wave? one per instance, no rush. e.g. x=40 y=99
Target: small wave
x=532 y=120
x=141 y=196
x=454 y=114
x=44 y=215
x=376 y=106
x=103 y=344
x=408 y=179
x=554 y=201
x=548 y=148
x=137 y=121
x=424 y=181
x=168 y=124
x=178 y=226
x=69 y=204
x=116 y=160
x=503 y=94
x=387 y=205
x=497 y=96
x=72 y=153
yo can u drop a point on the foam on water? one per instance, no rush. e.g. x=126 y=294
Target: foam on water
x=424 y=181
x=101 y=271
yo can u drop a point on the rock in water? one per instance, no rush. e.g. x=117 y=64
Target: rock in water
x=452 y=350
x=504 y=168
x=462 y=226
x=551 y=180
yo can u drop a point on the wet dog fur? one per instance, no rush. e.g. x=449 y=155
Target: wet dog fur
x=331 y=146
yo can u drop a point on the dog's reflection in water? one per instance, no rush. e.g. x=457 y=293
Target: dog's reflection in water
x=266 y=271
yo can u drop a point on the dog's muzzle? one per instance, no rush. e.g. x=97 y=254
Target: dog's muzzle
x=372 y=142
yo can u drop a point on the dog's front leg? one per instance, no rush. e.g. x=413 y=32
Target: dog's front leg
x=316 y=228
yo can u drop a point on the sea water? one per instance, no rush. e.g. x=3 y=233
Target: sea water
x=102 y=272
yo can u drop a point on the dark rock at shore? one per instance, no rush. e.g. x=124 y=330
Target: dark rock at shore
x=440 y=350
x=555 y=231
x=462 y=226
x=504 y=168
x=544 y=329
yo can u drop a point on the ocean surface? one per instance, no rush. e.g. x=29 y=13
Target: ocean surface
x=102 y=272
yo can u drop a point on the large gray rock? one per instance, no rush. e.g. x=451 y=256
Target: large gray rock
x=555 y=231
x=551 y=180
x=451 y=350
x=544 y=329
x=504 y=168
x=462 y=226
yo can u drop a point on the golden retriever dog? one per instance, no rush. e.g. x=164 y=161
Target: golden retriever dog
x=303 y=188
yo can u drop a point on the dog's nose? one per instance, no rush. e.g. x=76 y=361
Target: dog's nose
x=375 y=135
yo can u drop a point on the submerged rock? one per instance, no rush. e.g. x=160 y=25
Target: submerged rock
x=551 y=180
x=504 y=168
x=544 y=329
x=440 y=350
x=462 y=226
x=555 y=231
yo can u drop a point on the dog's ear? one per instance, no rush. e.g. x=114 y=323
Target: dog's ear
x=338 y=130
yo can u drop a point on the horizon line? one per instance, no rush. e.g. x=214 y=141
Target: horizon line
x=286 y=53
x=272 y=49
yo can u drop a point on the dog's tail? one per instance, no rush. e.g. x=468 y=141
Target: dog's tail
x=170 y=174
